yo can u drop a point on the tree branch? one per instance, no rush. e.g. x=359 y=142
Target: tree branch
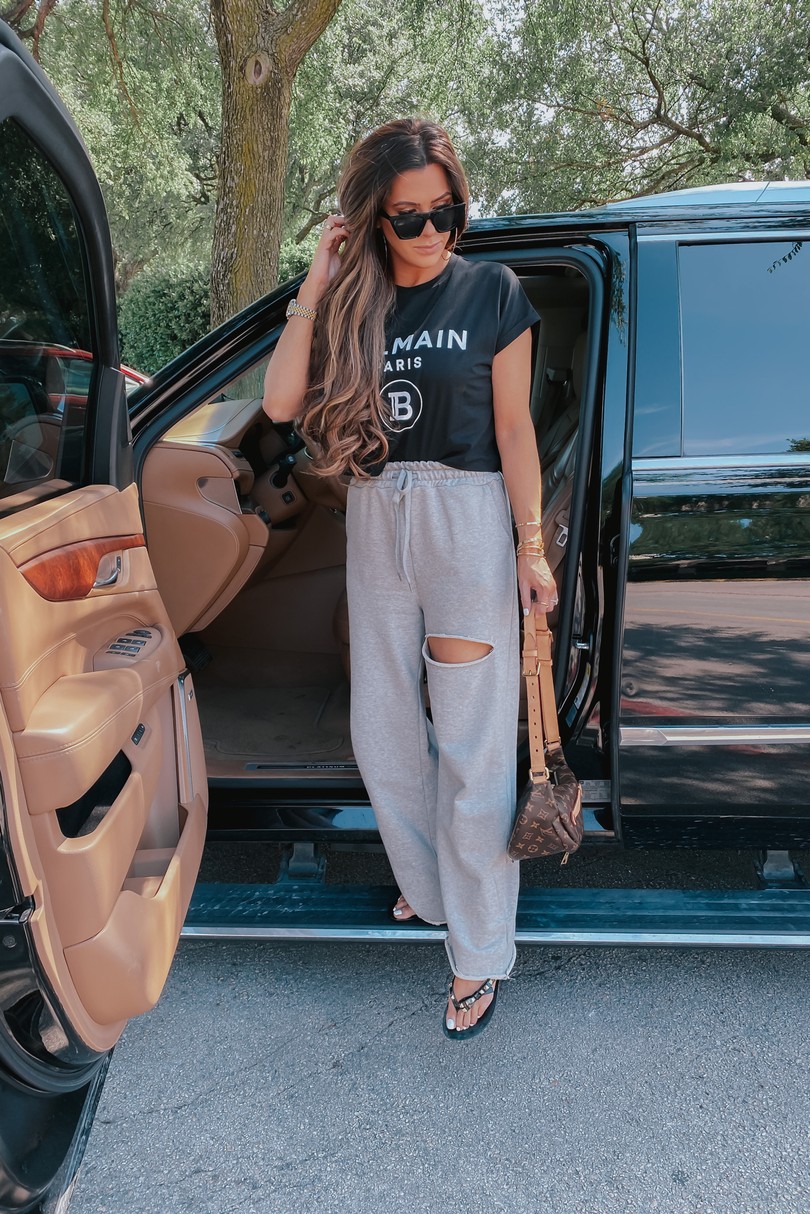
x=297 y=27
x=642 y=57
x=15 y=15
x=317 y=215
x=799 y=126
x=117 y=60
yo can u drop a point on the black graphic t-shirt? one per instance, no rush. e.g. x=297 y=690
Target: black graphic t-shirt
x=437 y=378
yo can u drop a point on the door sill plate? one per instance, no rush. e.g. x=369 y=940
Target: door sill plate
x=300 y=910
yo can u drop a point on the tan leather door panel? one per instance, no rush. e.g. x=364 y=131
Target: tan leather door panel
x=103 y=776
x=203 y=547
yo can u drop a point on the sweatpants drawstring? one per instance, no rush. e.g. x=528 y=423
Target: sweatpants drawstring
x=402 y=517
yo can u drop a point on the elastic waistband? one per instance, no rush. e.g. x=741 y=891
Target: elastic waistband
x=425 y=470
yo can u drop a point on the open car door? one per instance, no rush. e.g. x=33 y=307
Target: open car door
x=103 y=792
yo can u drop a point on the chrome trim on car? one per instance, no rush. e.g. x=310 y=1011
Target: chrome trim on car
x=682 y=463
x=739 y=235
x=112 y=579
x=607 y=936
x=714 y=735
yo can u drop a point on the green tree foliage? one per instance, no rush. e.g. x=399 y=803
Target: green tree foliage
x=587 y=101
x=164 y=311
x=559 y=106
x=553 y=104
x=378 y=61
x=142 y=84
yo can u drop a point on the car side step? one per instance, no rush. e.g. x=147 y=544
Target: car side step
x=300 y=910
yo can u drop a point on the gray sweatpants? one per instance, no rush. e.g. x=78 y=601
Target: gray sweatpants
x=430 y=553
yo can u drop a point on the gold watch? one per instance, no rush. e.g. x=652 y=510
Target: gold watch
x=294 y=308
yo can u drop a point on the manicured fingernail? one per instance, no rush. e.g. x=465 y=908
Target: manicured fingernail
x=525 y=610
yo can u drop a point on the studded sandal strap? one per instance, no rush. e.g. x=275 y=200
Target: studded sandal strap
x=464 y=1004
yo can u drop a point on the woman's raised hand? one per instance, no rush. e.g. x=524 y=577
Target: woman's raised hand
x=326 y=259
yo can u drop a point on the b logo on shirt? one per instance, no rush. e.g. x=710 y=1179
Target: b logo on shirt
x=405 y=402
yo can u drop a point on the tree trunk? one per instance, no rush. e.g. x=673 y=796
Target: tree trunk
x=260 y=50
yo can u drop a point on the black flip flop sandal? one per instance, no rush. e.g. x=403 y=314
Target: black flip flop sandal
x=490 y=987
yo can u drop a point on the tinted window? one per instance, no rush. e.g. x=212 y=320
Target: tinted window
x=657 y=400
x=44 y=320
x=746 y=354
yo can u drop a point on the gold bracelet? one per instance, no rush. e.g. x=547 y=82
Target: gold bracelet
x=531 y=523
x=294 y=308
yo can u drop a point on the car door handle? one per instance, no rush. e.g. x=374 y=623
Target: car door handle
x=112 y=579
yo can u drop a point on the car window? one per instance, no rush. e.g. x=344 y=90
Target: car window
x=657 y=401
x=46 y=357
x=131 y=384
x=745 y=352
x=248 y=385
x=77 y=373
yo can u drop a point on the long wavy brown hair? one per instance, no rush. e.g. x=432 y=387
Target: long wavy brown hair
x=343 y=414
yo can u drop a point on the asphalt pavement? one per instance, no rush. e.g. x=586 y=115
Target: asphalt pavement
x=309 y=1076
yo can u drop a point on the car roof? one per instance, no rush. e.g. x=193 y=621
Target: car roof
x=744 y=200
x=735 y=193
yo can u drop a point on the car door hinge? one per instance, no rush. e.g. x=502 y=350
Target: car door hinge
x=14 y=915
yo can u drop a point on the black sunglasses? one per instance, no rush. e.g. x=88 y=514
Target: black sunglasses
x=412 y=223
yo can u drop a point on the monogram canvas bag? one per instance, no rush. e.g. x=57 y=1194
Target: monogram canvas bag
x=549 y=810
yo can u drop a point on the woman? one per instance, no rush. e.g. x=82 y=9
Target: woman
x=408 y=369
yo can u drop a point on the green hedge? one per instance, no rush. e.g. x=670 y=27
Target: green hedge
x=162 y=312
x=296 y=258
x=166 y=310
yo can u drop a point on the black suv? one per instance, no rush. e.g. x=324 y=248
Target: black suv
x=670 y=399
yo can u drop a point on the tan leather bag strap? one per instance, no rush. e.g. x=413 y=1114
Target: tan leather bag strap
x=544 y=731
x=552 y=726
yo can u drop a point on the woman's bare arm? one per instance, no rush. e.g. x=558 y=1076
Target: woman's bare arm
x=287 y=376
x=517 y=445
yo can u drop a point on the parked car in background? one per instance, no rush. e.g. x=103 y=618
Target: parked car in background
x=174 y=643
